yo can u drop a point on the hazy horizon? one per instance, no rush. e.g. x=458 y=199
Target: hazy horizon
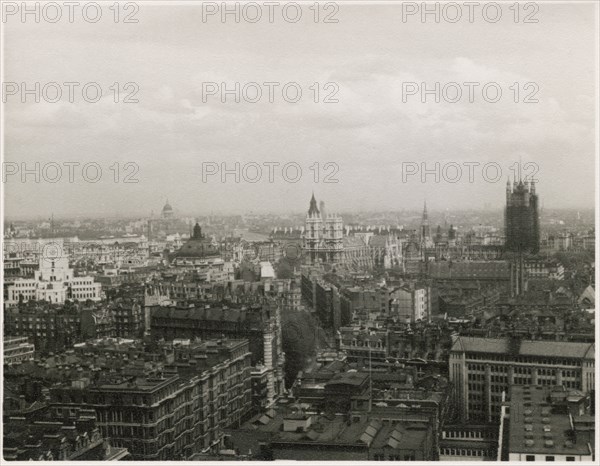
x=369 y=133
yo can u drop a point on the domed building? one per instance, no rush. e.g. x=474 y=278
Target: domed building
x=202 y=255
x=198 y=247
x=167 y=211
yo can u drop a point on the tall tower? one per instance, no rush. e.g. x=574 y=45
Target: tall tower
x=313 y=233
x=322 y=209
x=334 y=238
x=425 y=233
x=521 y=218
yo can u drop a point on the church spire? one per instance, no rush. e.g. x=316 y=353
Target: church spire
x=313 y=210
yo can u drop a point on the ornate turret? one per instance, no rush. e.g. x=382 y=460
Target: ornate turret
x=313 y=210
x=425 y=234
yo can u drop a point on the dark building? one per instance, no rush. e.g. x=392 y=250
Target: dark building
x=521 y=218
x=259 y=324
x=51 y=328
x=169 y=413
x=46 y=434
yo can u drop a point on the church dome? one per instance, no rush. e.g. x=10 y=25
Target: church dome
x=167 y=210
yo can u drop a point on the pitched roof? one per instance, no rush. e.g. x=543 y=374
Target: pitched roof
x=474 y=270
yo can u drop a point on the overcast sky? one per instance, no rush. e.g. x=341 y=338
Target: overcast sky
x=370 y=54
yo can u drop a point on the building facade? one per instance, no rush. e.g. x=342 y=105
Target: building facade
x=481 y=369
x=54 y=282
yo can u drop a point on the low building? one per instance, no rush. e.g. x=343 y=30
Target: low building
x=469 y=443
x=302 y=436
x=548 y=424
x=56 y=435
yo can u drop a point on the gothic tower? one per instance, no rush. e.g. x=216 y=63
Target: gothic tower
x=334 y=238
x=521 y=218
x=313 y=233
x=425 y=233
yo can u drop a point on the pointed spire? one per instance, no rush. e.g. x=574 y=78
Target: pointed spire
x=313 y=210
x=425 y=210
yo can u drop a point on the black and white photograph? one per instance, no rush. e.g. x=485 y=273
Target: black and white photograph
x=299 y=231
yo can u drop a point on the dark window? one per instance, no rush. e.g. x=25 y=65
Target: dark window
x=549 y=458
x=570 y=458
x=530 y=458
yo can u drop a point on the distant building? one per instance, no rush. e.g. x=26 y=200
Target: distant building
x=129 y=318
x=521 y=218
x=410 y=303
x=425 y=230
x=544 y=269
x=323 y=237
x=17 y=349
x=49 y=327
x=481 y=369
x=167 y=211
x=503 y=275
x=203 y=255
x=54 y=282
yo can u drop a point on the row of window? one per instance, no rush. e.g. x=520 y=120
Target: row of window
x=408 y=457
x=467 y=452
x=548 y=458
x=522 y=359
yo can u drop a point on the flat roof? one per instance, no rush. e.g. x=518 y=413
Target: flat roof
x=536 y=428
x=559 y=349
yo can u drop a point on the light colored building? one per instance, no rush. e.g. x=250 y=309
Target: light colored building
x=17 y=349
x=481 y=369
x=54 y=282
x=544 y=269
x=409 y=304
